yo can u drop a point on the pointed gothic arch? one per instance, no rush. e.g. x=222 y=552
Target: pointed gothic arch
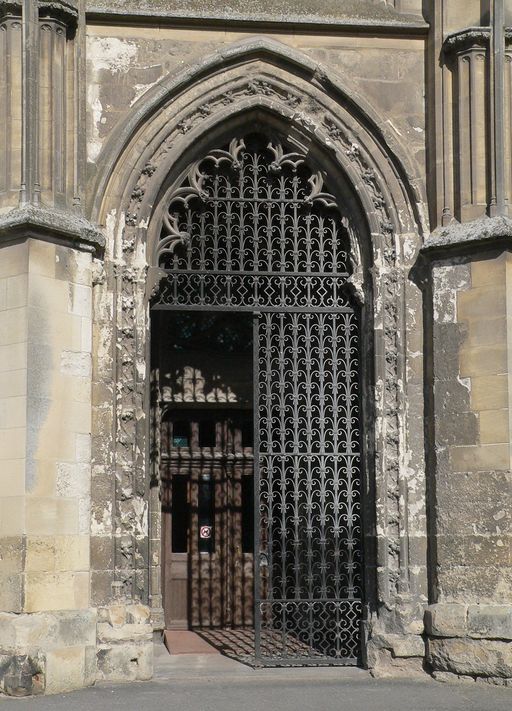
x=262 y=83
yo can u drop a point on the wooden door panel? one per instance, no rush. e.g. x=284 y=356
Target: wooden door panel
x=211 y=584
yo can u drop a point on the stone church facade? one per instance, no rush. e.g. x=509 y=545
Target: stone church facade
x=126 y=125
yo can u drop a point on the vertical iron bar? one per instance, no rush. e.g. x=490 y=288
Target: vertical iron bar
x=256 y=487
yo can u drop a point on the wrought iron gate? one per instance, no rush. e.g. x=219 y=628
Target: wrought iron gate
x=251 y=229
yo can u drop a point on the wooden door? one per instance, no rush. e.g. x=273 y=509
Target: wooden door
x=207 y=476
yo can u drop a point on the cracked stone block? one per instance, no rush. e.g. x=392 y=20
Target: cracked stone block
x=491 y=658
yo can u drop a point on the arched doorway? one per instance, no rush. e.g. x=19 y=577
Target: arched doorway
x=252 y=239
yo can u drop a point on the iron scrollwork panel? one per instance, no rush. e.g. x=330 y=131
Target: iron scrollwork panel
x=310 y=527
x=252 y=229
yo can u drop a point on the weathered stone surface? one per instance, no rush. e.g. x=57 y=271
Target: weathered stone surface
x=352 y=11
x=485 y=583
x=475 y=232
x=490 y=621
x=138 y=614
x=446 y=620
x=30 y=220
x=125 y=662
x=23 y=674
x=47 y=630
x=382 y=663
x=411 y=645
x=126 y=632
x=473 y=657
x=124 y=642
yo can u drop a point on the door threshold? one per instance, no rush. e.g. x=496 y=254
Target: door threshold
x=187 y=642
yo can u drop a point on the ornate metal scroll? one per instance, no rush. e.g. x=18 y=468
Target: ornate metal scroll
x=252 y=228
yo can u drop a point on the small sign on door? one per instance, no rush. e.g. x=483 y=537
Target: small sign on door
x=205 y=532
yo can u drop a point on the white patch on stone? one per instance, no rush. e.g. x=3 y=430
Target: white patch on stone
x=100 y=527
x=418 y=129
x=141 y=369
x=86 y=335
x=83 y=447
x=73 y=480
x=75 y=363
x=110 y=53
x=393 y=127
x=140 y=90
x=84 y=515
x=94 y=141
x=117 y=245
x=465 y=382
x=80 y=298
x=110 y=229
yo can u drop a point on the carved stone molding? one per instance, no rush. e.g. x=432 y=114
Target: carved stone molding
x=472 y=37
x=66 y=10
x=238 y=57
x=10 y=7
x=52 y=225
x=469 y=238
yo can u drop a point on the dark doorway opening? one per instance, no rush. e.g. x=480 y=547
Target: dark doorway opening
x=206 y=471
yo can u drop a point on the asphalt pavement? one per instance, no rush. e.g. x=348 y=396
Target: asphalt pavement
x=192 y=682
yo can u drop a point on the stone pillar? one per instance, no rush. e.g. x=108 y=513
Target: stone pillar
x=469 y=621
x=47 y=626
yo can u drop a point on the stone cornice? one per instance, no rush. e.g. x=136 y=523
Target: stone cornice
x=472 y=37
x=10 y=7
x=363 y=16
x=469 y=237
x=51 y=225
x=64 y=9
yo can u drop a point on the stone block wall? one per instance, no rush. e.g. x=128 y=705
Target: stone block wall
x=468 y=624
x=125 y=643
x=48 y=629
x=13 y=421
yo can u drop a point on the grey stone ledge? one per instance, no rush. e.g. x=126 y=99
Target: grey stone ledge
x=10 y=7
x=462 y=620
x=467 y=237
x=350 y=13
x=472 y=37
x=68 y=9
x=51 y=225
x=490 y=621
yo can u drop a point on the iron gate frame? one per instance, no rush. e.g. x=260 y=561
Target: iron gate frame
x=159 y=302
